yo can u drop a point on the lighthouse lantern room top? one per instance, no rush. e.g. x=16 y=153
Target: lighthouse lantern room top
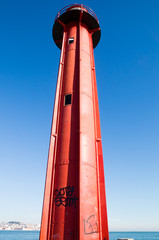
x=72 y=13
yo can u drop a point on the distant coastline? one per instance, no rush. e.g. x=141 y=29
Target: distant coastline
x=18 y=226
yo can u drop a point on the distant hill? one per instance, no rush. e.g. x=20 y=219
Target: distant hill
x=14 y=222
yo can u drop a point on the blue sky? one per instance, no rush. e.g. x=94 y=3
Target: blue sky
x=127 y=70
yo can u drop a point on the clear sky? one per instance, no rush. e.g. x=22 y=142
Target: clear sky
x=127 y=69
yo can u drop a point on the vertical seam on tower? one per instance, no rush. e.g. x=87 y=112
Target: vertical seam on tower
x=95 y=127
x=56 y=129
x=79 y=39
x=79 y=129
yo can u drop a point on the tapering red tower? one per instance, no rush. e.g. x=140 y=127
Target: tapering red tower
x=74 y=206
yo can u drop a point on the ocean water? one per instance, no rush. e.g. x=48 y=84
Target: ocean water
x=19 y=235
x=134 y=235
x=34 y=235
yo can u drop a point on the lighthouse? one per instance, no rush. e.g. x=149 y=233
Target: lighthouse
x=74 y=205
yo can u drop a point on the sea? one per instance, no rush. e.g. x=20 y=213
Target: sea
x=34 y=235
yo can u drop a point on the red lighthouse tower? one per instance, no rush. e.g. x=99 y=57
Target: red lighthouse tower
x=74 y=206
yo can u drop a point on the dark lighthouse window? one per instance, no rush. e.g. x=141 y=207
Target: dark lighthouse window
x=68 y=99
x=70 y=40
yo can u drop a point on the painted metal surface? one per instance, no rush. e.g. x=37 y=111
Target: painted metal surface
x=74 y=206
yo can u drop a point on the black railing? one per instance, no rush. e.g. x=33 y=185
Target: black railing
x=80 y=6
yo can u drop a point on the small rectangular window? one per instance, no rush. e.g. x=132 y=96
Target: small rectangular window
x=68 y=99
x=70 y=40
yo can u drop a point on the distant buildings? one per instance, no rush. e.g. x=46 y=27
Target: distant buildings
x=19 y=226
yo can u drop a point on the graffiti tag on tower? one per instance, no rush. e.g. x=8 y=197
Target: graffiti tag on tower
x=65 y=197
x=90 y=225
